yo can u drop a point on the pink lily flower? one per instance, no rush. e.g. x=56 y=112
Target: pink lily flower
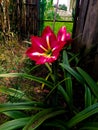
x=46 y=49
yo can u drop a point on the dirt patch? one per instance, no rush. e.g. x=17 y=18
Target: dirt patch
x=12 y=59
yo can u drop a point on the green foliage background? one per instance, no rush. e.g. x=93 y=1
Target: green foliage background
x=47 y=13
x=69 y=26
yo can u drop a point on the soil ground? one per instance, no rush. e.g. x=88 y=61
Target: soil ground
x=12 y=58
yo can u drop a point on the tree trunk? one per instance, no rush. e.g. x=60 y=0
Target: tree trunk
x=86 y=31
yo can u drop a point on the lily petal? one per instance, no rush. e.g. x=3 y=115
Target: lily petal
x=47 y=32
x=43 y=59
x=30 y=53
x=61 y=36
x=68 y=36
x=38 y=43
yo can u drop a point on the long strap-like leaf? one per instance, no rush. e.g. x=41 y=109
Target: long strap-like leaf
x=89 y=111
x=92 y=84
x=30 y=77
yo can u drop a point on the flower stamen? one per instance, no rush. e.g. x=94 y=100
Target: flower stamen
x=37 y=54
x=48 y=44
x=49 y=52
x=43 y=48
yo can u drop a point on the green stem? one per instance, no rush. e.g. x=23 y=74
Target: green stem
x=55 y=94
x=48 y=66
x=54 y=70
x=50 y=69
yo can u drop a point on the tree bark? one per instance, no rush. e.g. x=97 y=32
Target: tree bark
x=85 y=32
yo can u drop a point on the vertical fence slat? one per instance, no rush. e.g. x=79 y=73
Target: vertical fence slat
x=27 y=17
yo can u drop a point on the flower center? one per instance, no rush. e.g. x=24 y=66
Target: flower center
x=48 y=52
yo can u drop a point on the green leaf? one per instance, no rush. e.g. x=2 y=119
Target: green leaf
x=55 y=87
x=30 y=77
x=40 y=117
x=15 y=124
x=67 y=99
x=87 y=112
x=56 y=123
x=94 y=99
x=90 y=126
x=68 y=82
x=74 y=57
x=14 y=114
x=65 y=58
x=92 y=84
x=73 y=73
x=21 y=106
x=64 y=94
x=13 y=92
x=88 y=98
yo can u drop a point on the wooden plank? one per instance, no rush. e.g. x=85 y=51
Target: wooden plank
x=87 y=25
x=90 y=32
x=81 y=13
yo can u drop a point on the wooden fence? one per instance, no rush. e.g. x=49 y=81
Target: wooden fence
x=20 y=16
x=27 y=20
x=23 y=17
